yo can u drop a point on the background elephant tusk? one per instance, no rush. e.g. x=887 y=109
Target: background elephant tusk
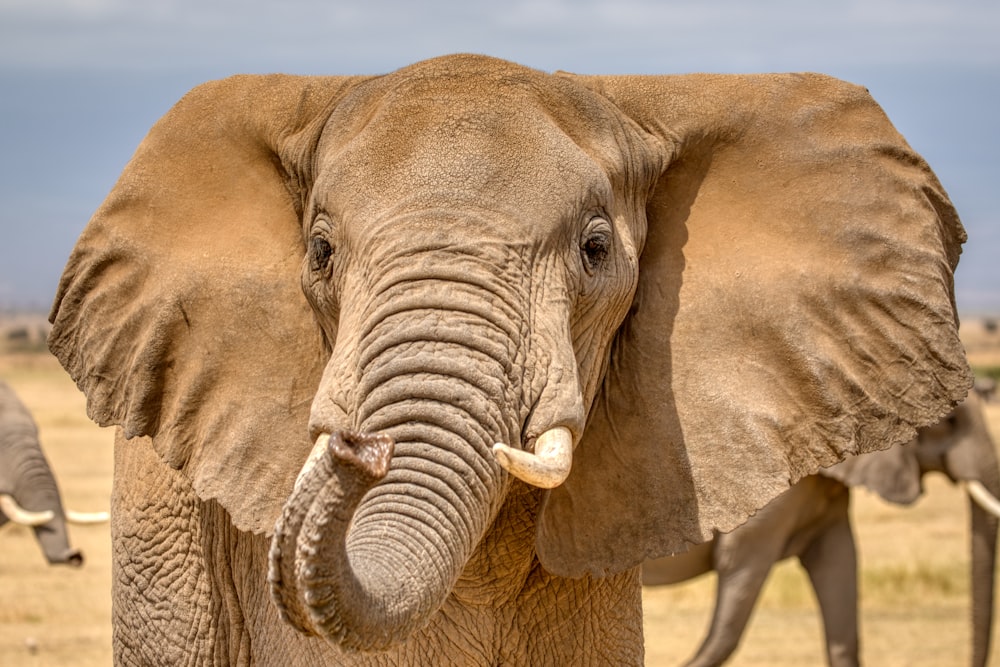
x=983 y=497
x=86 y=517
x=18 y=514
x=546 y=467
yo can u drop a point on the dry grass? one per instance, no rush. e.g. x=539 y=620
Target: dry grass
x=914 y=565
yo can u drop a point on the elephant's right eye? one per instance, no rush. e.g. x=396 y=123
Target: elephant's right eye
x=596 y=244
x=319 y=253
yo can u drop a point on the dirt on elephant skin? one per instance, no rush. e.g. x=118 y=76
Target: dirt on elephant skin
x=914 y=563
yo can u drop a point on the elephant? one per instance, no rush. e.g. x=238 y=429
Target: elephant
x=418 y=368
x=986 y=387
x=26 y=481
x=811 y=522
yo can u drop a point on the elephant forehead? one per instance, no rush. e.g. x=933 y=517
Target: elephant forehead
x=465 y=137
x=437 y=148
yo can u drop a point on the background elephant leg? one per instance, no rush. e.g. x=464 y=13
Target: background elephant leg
x=742 y=565
x=831 y=562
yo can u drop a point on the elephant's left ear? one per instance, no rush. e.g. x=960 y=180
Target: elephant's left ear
x=894 y=473
x=180 y=313
x=795 y=305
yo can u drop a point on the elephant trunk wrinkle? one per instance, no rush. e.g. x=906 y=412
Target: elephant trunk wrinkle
x=453 y=372
x=454 y=286
x=449 y=404
x=477 y=312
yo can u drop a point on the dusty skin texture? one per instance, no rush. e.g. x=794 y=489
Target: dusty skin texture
x=717 y=284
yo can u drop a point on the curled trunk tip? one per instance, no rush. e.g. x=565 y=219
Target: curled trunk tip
x=341 y=469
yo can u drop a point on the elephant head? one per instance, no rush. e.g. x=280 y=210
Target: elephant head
x=29 y=494
x=960 y=447
x=361 y=311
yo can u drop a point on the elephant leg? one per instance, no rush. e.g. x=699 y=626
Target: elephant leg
x=742 y=571
x=161 y=612
x=831 y=562
x=188 y=588
x=607 y=630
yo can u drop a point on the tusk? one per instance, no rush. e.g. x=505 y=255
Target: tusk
x=546 y=467
x=983 y=497
x=321 y=445
x=18 y=514
x=86 y=517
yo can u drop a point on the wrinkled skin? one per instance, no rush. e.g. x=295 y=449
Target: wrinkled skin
x=25 y=475
x=811 y=522
x=451 y=277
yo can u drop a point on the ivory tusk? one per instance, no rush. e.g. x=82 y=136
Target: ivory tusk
x=983 y=497
x=86 y=517
x=546 y=467
x=18 y=514
x=321 y=445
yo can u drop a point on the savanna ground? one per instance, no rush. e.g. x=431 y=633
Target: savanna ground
x=914 y=561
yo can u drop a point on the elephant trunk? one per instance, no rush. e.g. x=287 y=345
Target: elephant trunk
x=984 y=544
x=971 y=460
x=984 y=549
x=378 y=531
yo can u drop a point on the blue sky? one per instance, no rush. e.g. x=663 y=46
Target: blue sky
x=81 y=81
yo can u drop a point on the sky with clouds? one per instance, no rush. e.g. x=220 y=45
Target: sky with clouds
x=81 y=81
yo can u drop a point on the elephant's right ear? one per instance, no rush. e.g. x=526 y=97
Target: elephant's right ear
x=794 y=306
x=180 y=313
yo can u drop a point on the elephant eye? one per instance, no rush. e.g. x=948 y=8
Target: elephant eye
x=319 y=253
x=596 y=245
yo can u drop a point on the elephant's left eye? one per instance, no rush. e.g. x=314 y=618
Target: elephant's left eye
x=596 y=244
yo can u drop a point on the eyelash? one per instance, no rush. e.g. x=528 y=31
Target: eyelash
x=596 y=245
x=320 y=252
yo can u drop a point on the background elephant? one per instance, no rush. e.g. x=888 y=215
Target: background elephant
x=29 y=494
x=811 y=521
x=431 y=359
